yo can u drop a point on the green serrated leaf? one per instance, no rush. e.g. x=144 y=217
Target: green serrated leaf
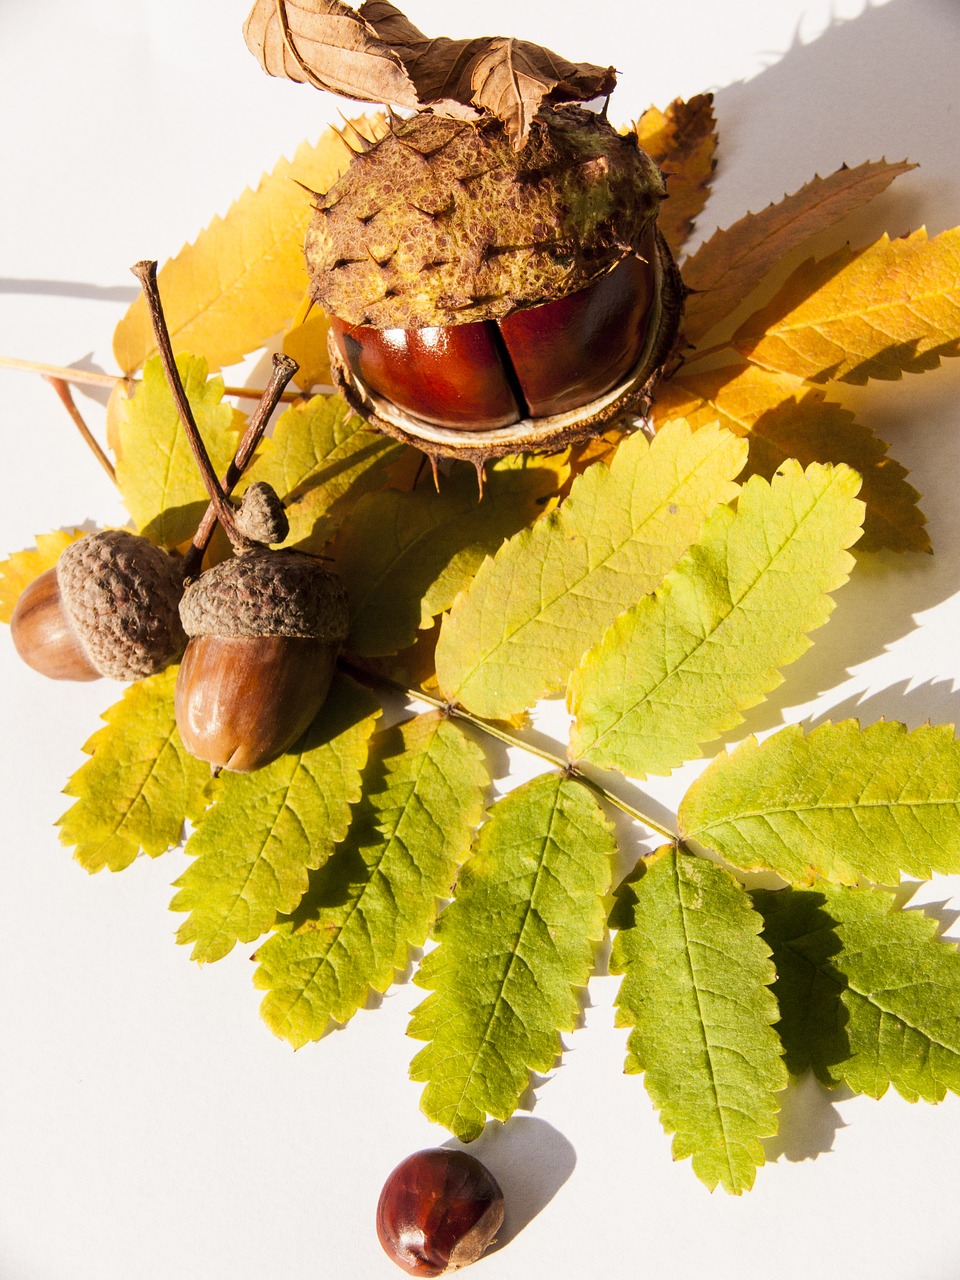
x=141 y=784
x=267 y=829
x=869 y=997
x=377 y=896
x=156 y=471
x=552 y=590
x=320 y=458
x=696 y=993
x=680 y=668
x=839 y=803
x=404 y=556
x=514 y=946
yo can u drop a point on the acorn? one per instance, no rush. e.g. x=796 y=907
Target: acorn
x=264 y=632
x=109 y=607
x=487 y=300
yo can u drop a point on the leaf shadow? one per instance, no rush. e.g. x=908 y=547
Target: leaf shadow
x=923 y=704
x=530 y=1160
x=808 y=1122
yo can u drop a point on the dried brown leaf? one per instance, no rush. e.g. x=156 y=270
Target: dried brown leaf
x=683 y=141
x=784 y=417
x=730 y=265
x=374 y=54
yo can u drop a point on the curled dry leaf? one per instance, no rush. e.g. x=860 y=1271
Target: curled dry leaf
x=374 y=54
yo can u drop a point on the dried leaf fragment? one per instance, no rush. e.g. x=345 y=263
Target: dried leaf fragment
x=734 y=261
x=374 y=54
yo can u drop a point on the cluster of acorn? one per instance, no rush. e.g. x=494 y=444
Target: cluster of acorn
x=256 y=635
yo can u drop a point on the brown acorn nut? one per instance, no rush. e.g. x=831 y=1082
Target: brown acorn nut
x=487 y=301
x=264 y=632
x=438 y=1211
x=110 y=607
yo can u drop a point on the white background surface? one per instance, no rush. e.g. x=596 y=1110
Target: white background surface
x=150 y=1126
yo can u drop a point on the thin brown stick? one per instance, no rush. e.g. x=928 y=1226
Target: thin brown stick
x=146 y=273
x=66 y=399
x=89 y=378
x=283 y=370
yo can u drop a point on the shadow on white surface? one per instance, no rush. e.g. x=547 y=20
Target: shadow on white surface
x=809 y=1121
x=530 y=1160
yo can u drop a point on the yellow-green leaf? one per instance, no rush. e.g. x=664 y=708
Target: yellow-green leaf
x=696 y=995
x=886 y=310
x=242 y=279
x=514 y=947
x=141 y=784
x=156 y=470
x=320 y=459
x=869 y=996
x=553 y=589
x=682 y=666
x=403 y=557
x=785 y=417
x=255 y=845
x=731 y=264
x=20 y=568
x=377 y=896
x=838 y=803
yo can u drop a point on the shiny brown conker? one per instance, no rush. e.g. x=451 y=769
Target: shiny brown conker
x=438 y=1211
x=533 y=363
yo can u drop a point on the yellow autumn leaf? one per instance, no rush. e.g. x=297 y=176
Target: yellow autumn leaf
x=682 y=140
x=306 y=343
x=20 y=569
x=731 y=264
x=157 y=474
x=241 y=281
x=879 y=312
x=784 y=417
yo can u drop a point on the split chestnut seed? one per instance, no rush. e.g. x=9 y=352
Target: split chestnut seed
x=534 y=363
x=438 y=1211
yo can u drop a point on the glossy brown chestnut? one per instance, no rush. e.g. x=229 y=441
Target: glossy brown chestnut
x=242 y=701
x=43 y=635
x=534 y=363
x=438 y=1211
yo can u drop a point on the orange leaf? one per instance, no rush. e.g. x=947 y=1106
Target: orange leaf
x=682 y=140
x=889 y=309
x=783 y=417
x=242 y=279
x=730 y=265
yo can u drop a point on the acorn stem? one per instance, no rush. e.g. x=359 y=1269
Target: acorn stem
x=284 y=367
x=90 y=378
x=146 y=273
x=494 y=731
x=66 y=399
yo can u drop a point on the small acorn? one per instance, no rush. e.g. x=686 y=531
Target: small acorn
x=264 y=632
x=109 y=607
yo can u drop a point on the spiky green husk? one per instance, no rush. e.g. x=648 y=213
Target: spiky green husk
x=443 y=222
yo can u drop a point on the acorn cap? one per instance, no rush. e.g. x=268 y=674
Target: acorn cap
x=267 y=593
x=122 y=596
x=443 y=222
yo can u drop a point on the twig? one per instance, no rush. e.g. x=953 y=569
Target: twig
x=146 y=273
x=283 y=370
x=88 y=377
x=494 y=730
x=66 y=399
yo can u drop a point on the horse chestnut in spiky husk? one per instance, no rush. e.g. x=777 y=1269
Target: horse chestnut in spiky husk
x=487 y=300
